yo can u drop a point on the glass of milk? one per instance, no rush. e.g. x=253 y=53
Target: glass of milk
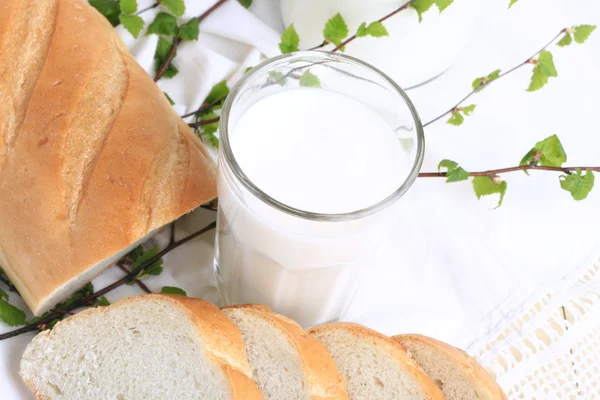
x=316 y=151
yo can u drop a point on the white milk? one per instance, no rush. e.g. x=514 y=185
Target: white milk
x=317 y=151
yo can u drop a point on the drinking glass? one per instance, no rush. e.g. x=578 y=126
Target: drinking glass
x=302 y=264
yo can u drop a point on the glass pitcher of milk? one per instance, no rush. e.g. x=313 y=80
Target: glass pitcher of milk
x=316 y=151
x=415 y=51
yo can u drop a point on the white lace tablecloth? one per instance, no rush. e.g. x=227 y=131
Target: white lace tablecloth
x=518 y=287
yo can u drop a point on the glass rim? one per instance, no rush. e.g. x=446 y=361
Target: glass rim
x=225 y=147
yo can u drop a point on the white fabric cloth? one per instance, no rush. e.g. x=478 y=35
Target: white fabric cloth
x=453 y=268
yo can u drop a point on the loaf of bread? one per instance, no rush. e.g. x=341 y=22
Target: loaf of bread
x=92 y=157
x=375 y=367
x=456 y=373
x=287 y=363
x=144 y=347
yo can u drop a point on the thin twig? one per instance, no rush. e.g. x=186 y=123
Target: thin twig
x=143 y=10
x=493 y=172
x=172 y=233
x=141 y=284
x=92 y=297
x=204 y=122
x=203 y=107
x=177 y=40
x=64 y=312
x=351 y=38
x=483 y=84
x=163 y=67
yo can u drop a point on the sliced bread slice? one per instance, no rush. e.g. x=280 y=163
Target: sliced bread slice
x=152 y=346
x=375 y=366
x=456 y=373
x=287 y=363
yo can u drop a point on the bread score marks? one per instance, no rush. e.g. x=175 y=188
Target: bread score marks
x=164 y=181
x=26 y=30
x=91 y=123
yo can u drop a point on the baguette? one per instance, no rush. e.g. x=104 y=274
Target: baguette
x=287 y=362
x=456 y=373
x=375 y=366
x=92 y=157
x=152 y=346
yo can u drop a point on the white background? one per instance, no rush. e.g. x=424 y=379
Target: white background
x=453 y=268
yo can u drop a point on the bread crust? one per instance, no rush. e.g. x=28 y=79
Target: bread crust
x=468 y=364
x=223 y=343
x=99 y=158
x=392 y=348
x=324 y=380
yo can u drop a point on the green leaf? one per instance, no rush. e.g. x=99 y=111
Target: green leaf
x=11 y=315
x=109 y=8
x=566 y=40
x=213 y=140
x=245 y=3
x=476 y=83
x=454 y=173
x=78 y=295
x=278 y=77
x=289 y=40
x=480 y=83
x=456 y=119
x=173 y=290
x=162 y=52
x=133 y=23
x=308 y=79
x=577 y=184
x=443 y=4
x=511 y=3
x=528 y=159
x=582 y=32
x=102 y=302
x=375 y=29
x=542 y=71
x=133 y=255
x=190 y=30
x=494 y=75
x=538 y=79
x=421 y=6
x=3 y=295
x=335 y=29
x=171 y=102
x=362 y=30
x=177 y=7
x=468 y=110
x=546 y=61
x=217 y=93
x=548 y=152
x=485 y=186
x=163 y=24
x=553 y=153
x=211 y=128
x=128 y=6
x=154 y=269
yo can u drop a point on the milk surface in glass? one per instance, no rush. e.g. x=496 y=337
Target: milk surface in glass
x=317 y=151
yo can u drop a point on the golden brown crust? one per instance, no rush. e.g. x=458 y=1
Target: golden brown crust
x=323 y=378
x=99 y=159
x=223 y=343
x=468 y=364
x=392 y=348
